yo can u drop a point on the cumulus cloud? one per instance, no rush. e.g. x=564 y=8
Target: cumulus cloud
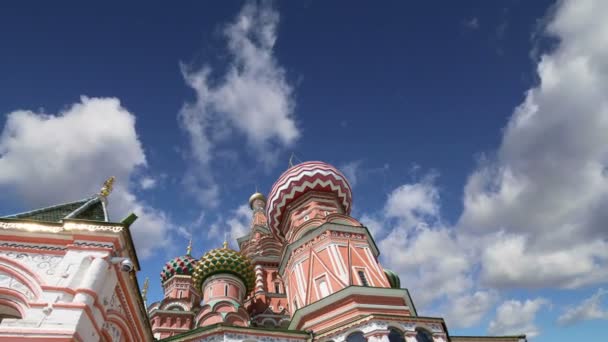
x=422 y=250
x=252 y=99
x=414 y=204
x=47 y=159
x=545 y=194
x=534 y=216
x=468 y=309
x=590 y=308
x=515 y=317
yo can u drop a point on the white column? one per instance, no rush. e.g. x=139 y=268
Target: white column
x=93 y=279
x=410 y=336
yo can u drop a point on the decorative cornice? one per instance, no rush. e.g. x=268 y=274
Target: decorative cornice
x=347 y=292
x=34 y=247
x=66 y=225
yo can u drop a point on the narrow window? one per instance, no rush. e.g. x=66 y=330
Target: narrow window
x=277 y=288
x=363 y=278
x=295 y=304
x=210 y=290
x=226 y=290
x=323 y=289
x=179 y=294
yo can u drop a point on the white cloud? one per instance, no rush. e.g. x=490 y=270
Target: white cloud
x=252 y=98
x=351 y=170
x=147 y=183
x=467 y=310
x=236 y=225
x=423 y=251
x=515 y=317
x=545 y=194
x=47 y=159
x=414 y=204
x=510 y=261
x=590 y=308
x=240 y=222
x=431 y=262
x=374 y=224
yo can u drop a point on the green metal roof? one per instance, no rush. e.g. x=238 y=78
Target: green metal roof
x=86 y=209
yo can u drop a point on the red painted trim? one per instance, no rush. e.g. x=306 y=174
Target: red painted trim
x=121 y=322
x=46 y=240
x=134 y=313
x=89 y=248
x=87 y=291
x=12 y=304
x=58 y=289
x=81 y=306
x=35 y=288
x=14 y=293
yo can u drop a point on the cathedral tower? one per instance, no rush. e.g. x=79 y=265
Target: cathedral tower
x=329 y=260
x=175 y=313
x=225 y=278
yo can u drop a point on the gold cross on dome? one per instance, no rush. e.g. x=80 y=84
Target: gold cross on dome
x=107 y=187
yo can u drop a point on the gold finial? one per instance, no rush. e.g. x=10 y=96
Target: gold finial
x=106 y=189
x=291 y=160
x=144 y=290
x=225 y=244
x=189 y=248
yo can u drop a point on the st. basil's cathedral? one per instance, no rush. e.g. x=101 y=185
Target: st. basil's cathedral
x=306 y=271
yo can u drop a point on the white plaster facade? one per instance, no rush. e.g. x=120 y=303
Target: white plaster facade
x=65 y=285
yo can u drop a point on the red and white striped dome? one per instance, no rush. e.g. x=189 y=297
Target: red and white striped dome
x=300 y=179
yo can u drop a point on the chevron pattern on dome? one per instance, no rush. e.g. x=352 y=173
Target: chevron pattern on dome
x=224 y=260
x=300 y=179
x=182 y=265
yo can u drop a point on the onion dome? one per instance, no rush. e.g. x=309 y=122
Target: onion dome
x=224 y=260
x=300 y=179
x=182 y=265
x=393 y=279
x=256 y=196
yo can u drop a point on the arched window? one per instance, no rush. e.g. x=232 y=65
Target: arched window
x=357 y=336
x=7 y=312
x=226 y=290
x=395 y=336
x=423 y=336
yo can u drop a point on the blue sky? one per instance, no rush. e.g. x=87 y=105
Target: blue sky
x=473 y=135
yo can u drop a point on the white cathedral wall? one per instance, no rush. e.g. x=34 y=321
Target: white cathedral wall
x=59 y=275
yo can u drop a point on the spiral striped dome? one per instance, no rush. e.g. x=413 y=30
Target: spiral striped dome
x=182 y=265
x=300 y=179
